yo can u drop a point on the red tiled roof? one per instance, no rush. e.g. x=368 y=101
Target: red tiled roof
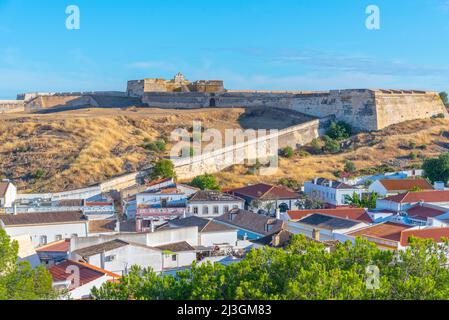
x=265 y=191
x=435 y=234
x=359 y=214
x=98 y=204
x=87 y=272
x=58 y=246
x=405 y=184
x=389 y=231
x=426 y=196
x=423 y=212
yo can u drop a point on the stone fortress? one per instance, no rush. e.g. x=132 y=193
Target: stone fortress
x=364 y=109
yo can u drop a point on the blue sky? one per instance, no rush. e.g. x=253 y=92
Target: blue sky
x=251 y=44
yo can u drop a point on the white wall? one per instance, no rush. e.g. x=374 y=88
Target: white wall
x=208 y=239
x=183 y=259
x=201 y=206
x=378 y=188
x=83 y=292
x=329 y=195
x=50 y=230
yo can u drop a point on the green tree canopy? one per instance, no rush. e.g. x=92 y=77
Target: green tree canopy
x=339 y=131
x=437 y=169
x=18 y=281
x=163 y=169
x=365 y=201
x=304 y=271
x=205 y=182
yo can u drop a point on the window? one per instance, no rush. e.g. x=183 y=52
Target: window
x=216 y=210
x=195 y=210
x=42 y=240
x=58 y=237
x=205 y=210
x=174 y=257
x=225 y=209
x=235 y=206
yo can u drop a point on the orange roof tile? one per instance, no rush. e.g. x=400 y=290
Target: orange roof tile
x=423 y=212
x=405 y=184
x=389 y=231
x=57 y=246
x=435 y=234
x=426 y=196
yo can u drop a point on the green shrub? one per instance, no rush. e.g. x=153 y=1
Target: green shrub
x=413 y=155
x=287 y=152
x=316 y=146
x=331 y=145
x=339 y=131
x=205 y=182
x=350 y=167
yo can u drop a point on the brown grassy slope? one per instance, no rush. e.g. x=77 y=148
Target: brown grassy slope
x=80 y=148
x=390 y=146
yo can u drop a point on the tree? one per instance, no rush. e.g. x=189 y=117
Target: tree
x=304 y=271
x=350 y=167
x=289 y=183
x=339 y=131
x=205 y=182
x=163 y=169
x=365 y=201
x=18 y=281
x=437 y=169
x=331 y=145
x=443 y=96
x=316 y=146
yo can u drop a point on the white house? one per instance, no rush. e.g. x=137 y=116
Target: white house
x=331 y=192
x=267 y=197
x=43 y=228
x=210 y=232
x=209 y=204
x=79 y=278
x=405 y=201
x=390 y=187
x=119 y=256
x=324 y=227
x=8 y=194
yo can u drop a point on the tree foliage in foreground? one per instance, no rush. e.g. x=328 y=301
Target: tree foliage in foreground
x=437 y=169
x=305 y=270
x=18 y=281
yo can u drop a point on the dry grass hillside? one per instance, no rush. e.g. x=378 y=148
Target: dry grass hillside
x=391 y=147
x=62 y=151
x=72 y=149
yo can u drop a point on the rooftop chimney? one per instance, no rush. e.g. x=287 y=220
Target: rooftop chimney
x=316 y=235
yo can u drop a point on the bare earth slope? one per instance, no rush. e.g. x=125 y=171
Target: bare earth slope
x=67 y=150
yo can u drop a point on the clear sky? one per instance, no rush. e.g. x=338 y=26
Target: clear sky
x=251 y=44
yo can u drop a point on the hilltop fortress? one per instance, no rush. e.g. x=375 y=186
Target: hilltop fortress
x=364 y=109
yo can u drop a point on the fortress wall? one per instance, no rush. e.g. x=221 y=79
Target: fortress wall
x=237 y=154
x=11 y=106
x=399 y=107
x=135 y=88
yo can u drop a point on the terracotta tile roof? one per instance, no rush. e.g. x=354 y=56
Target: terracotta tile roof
x=209 y=195
x=58 y=246
x=102 y=226
x=423 y=212
x=359 y=214
x=264 y=191
x=251 y=221
x=42 y=218
x=99 y=203
x=176 y=247
x=99 y=248
x=87 y=273
x=389 y=231
x=405 y=184
x=3 y=188
x=425 y=196
x=435 y=234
